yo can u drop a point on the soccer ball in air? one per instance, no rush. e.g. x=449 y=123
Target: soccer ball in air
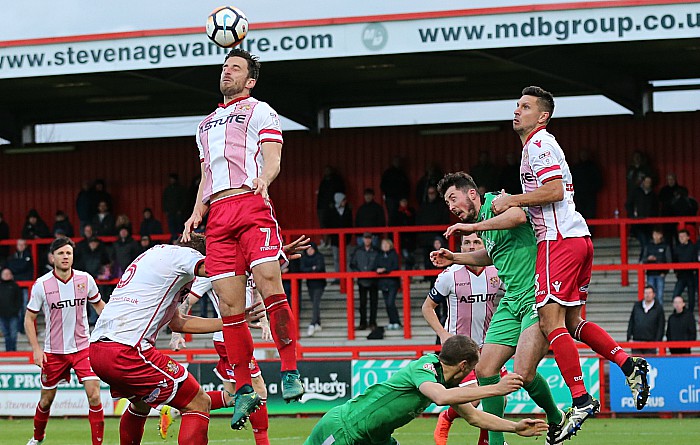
x=227 y=26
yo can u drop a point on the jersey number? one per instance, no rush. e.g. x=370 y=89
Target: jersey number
x=267 y=231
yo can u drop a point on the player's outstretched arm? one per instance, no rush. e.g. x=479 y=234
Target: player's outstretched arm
x=481 y=419
x=455 y=396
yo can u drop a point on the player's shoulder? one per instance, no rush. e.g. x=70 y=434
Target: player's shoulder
x=47 y=276
x=428 y=362
x=450 y=270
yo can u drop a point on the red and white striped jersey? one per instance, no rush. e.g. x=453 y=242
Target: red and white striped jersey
x=147 y=296
x=470 y=299
x=543 y=161
x=202 y=287
x=65 y=309
x=230 y=143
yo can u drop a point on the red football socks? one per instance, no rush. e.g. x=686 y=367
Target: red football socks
x=41 y=418
x=194 y=428
x=131 y=427
x=260 y=423
x=96 y=417
x=284 y=330
x=239 y=347
x=601 y=342
x=567 y=358
x=217 y=400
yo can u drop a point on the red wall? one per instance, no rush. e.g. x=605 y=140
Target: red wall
x=136 y=170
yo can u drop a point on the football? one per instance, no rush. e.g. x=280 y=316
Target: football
x=227 y=26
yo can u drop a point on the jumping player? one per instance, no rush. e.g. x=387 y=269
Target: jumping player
x=122 y=344
x=514 y=327
x=240 y=148
x=224 y=371
x=373 y=416
x=470 y=294
x=63 y=296
x=564 y=259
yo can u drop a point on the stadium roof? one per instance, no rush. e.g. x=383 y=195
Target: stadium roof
x=306 y=87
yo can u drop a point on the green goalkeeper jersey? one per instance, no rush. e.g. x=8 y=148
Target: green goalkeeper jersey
x=512 y=251
x=371 y=417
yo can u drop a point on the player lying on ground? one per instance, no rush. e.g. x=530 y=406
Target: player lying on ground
x=514 y=329
x=373 y=416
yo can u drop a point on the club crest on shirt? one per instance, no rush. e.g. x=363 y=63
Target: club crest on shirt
x=81 y=287
x=172 y=367
x=242 y=107
x=429 y=367
x=494 y=281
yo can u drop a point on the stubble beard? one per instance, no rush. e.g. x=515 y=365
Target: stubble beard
x=232 y=90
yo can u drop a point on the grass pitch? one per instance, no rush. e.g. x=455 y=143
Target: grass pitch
x=286 y=430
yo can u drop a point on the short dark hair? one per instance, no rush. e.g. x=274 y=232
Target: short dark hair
x=458 y=348
x=649 y=286
x=197 y=242
x=253 y=61
x=60 y=242
x=460 y=180
x=684 y=231
x=544 y=98
x=369 y=191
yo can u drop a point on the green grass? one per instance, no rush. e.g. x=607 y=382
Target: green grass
x=285 y=430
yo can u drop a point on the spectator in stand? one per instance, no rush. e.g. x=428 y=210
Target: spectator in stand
x=407 y=217
x=646 y=322
x=22 y=267
x=123 y=221
x=4 y=235
x=433 y=175
x=125 y=250
x=35 y=227
x=485 y=173
x=432 y=212
x=681 y=325
x=174 y=200
x=656 y=252
x=364 y=260
x=86 y=204
x=92 y=262
x=312 y=261
x=101 y=194
x=394 y=185
x=666 y=197
x=642 y=203
x=10 y=308
x=510 y=174
x=388 y=261
x=62 y=223
x=638 y=169
x=331 y=183
x=370 y=214
x=82 y=247
x=339 y=217
x=103 y=223
x=686 y=252
x=145 y=243
x=588 y=181
x=150 y=225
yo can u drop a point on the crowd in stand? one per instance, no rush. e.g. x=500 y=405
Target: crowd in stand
x=390 y=207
